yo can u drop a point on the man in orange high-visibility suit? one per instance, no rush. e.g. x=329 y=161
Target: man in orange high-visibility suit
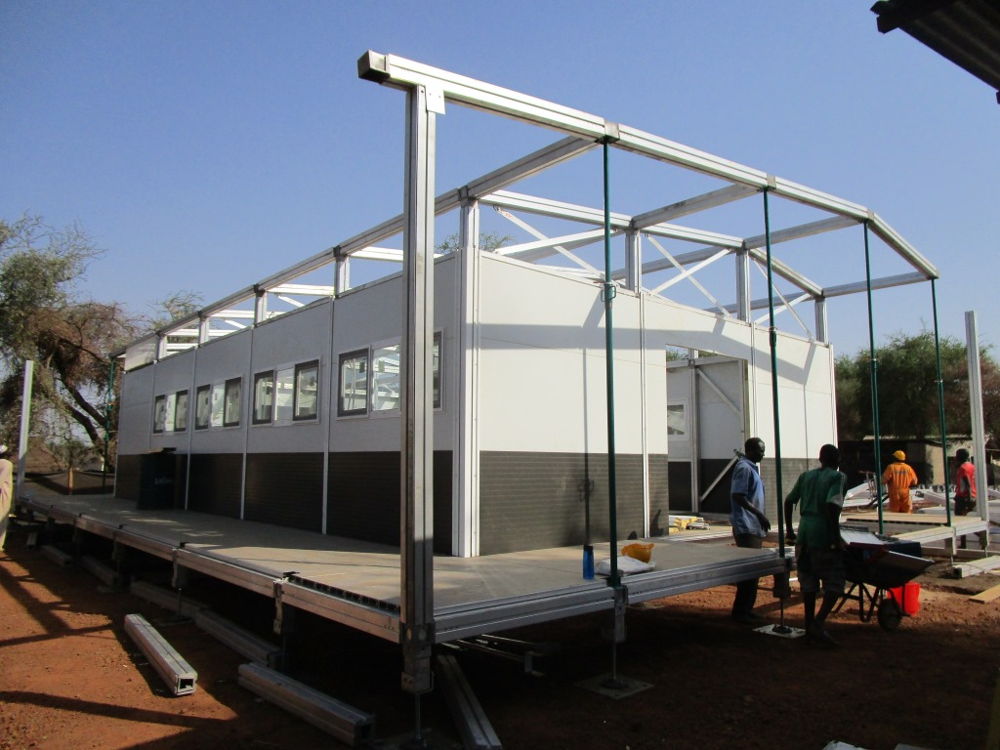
x=899 y=477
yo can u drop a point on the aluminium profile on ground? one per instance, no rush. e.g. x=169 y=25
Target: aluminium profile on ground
x=240 y=640
x=178 y=675
x=470 y=718
x=56 y=555
x=166 y=598
x=104 y=573
x=334 y=717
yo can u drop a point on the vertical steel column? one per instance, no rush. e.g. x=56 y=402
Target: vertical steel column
x=609 y=349
x=775 y=407
x=22 y=439
x=417 y=439
x=822 y=334
x=633 y=260
x=976 y=415
x=742 y=259
x=941 y=416
x=873 y=365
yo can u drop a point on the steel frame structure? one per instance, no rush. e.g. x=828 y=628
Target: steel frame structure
x=428 y=91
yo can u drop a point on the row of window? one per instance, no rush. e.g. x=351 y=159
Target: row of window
x=369 y=382
x=369 y=379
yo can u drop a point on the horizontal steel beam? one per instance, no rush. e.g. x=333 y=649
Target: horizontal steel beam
x=881 y=283
x=556 y=209
x=178 y=675
x=895 y=240
x=801 y=231
x=688 y=206
x=338 y=719
x=247 y=578
x=355 y=615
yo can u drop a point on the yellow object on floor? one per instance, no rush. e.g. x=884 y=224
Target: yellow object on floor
x=639 y=550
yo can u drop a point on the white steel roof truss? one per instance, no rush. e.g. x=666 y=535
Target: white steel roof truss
x=289 y=300
x=527 y=254
x=697 y=284
x=688 y=206
x=785 y=304
x=688 y=271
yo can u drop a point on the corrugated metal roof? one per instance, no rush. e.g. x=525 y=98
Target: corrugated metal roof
x=967 y=32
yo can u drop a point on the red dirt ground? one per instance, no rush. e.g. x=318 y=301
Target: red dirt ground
x=70 y=678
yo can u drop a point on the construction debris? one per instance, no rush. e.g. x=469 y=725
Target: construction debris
x=178 y=675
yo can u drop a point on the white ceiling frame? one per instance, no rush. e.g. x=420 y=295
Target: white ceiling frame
x=307 y=290
x=698 y=285
x=289 y=300
x=688 y=206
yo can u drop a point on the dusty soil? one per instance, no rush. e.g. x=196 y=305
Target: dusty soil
x=70 y=678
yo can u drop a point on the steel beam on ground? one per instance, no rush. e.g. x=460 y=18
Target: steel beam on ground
x=240 y=640
x=345 y=722
x=178 y=675
x=169 y=600
x=466 y=710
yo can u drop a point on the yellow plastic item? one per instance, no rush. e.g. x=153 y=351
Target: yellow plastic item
x=639 y=550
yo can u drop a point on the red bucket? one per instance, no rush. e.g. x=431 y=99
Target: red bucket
x=907 y=597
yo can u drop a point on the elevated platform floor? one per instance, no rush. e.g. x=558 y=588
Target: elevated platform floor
x=357 y=583
x=928 y=525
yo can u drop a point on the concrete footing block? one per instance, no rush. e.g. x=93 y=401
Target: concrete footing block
x=334 y=717
x=178 y=675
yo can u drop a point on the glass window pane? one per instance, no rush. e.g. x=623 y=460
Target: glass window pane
x=159 y=413
x=306 y=390
x=385 y=378
x=436 y=360
x=676 y=420
x=203 y=407
x=263 y=397
x=284 y=390
x=168 y=418
x=181 y=412
x=353 y=393
x=231 y=415
x=218 y=393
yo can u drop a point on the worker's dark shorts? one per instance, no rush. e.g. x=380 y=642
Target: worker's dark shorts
x=815 y=565
x=964 y=505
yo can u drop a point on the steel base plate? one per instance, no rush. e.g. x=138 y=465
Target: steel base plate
x=785 y=631
x=617 y=688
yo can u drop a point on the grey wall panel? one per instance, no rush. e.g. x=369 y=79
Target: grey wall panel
x=718 y=501
x=679 y=480
x=127 y=477
x=363 y=497
x=531 y=500
x=215 y=483
x=285 y=489
x=659 y=495
x=135 y=414
x=171 y=375
x=219 y=361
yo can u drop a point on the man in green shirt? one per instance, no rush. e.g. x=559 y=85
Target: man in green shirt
x=819 y=553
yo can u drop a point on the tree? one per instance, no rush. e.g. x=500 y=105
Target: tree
x=43 y=319
x=488 y=242
x=907 y=389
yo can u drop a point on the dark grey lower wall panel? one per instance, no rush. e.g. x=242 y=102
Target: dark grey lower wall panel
x=216 y=479
x=285 y=489
x=127 y=477
x=659 y=494
x=679 y=476
x=533 y=500
x=717 y=500
x=363 y=497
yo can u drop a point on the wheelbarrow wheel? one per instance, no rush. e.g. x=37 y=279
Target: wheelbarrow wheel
x=889 y=614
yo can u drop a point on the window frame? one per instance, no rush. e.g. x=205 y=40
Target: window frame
x=238 y=381
x=208 y=421
x=342 y=358
x=270 y=407
x=159 y=404
x=311 y=364
x=187 y=410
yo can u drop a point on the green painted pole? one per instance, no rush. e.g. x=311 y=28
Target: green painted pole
x=609 y=347
x=873 y=366
x=775 y=407
x=941 y=416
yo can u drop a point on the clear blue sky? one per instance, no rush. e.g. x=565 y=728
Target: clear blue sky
x=206 y=145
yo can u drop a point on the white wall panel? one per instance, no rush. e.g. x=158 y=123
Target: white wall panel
x=219 y=361
x=135 y=413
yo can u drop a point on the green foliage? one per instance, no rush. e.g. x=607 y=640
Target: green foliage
x=488 y=242
x=908 y=392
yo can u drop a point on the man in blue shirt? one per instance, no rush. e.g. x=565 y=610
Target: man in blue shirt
x=750 y=525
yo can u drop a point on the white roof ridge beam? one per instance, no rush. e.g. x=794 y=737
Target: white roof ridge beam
x=688 y=234
x=556 y=209
x=903 y=248
x=697 y=284
x=787 y=272
x=533 y=163
x=688 y=271
x=309 y=290
x=802 y=230
x=398 y=72
x=817 y=198
x=528 y=249
x=688 y=206
x=883 y=282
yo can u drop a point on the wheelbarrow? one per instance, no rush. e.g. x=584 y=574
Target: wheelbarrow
x=874 y=565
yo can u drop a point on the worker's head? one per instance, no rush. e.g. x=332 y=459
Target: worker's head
x=754 y=449
x=899 y=456
x=961 y=455
x=829 y=456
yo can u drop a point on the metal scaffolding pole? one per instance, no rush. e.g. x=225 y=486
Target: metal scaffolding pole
x=22 y=443
x=978 y=428
x=609 y=348
x=873 y=366
x=775 y=409
x=417 y=522
x=941 y=415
